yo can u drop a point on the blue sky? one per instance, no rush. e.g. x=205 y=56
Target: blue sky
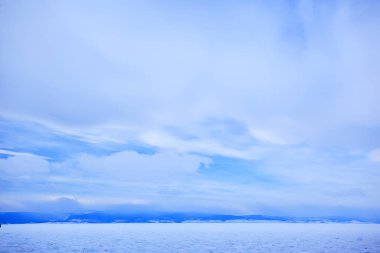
x=241 y=107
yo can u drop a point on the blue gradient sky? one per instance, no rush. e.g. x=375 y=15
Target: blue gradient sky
x=239 y=107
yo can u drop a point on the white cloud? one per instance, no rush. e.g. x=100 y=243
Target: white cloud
x=122 y=73
x=257 y=68
x=13 y=153
x=267 y=136
x=169 y=181
x=23 y=166
x=131 y=166
x=203 y=146
x=374 y=155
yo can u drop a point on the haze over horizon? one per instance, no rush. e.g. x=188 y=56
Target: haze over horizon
x=238 y=107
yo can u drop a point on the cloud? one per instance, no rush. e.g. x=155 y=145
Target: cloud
x=374 y=155
x=167 y=180
x=203 y=146
x=60 y=204
x=144 y=98
x=23 y=166
x=264 y=65
x=12 y=153
x=131 y=166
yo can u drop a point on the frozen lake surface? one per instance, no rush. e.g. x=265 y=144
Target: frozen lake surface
x=191 y=237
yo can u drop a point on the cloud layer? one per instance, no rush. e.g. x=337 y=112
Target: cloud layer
x=235 y=107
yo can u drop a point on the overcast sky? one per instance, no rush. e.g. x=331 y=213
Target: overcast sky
x=241 y=107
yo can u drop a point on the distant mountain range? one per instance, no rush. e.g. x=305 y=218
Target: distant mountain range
x=106 y=217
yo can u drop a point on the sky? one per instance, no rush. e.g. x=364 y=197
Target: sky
x=235 y=107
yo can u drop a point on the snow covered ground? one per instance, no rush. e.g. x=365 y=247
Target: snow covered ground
x=191 y=237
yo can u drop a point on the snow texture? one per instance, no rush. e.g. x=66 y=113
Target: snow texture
x=191 y=237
